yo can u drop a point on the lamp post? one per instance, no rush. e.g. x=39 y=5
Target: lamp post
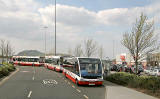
x=45 y=27
x=55 y=29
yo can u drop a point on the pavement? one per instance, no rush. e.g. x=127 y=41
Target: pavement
x=114 y=91
x=40 y=83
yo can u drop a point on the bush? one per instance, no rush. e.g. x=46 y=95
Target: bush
x=6 y=69
x=134 y=81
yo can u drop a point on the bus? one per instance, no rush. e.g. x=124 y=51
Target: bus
x=48 y=62
x=14 y=60
x=26 y=60
x=84 y=71
x=54 y=63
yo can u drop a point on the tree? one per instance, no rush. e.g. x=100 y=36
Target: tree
x=6 y=49
x=90 y=47
x=78 y=50
x=141 y=40
x=101 y=52
x=2 y=48
x=69 y=51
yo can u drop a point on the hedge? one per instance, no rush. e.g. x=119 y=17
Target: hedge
x=6 y=69
x=131 y=80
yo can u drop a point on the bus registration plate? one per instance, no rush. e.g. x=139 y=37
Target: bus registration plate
x=91 y=83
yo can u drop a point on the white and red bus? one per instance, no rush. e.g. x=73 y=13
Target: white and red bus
x=48 y=62
x=14 y=60
x=26 y=60
x=54 y=63
x=84 y=71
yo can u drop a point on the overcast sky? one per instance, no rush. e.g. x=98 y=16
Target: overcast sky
x=105 y=21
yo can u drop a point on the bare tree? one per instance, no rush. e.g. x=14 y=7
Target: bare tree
x=90 y=47
x=78 y=50
x=6 y=49
x=2 y=48
x=141 y=40
x=11 y=51
x=69 y=51
x=101 y=52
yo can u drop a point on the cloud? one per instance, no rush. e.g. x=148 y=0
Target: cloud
x=22 y=21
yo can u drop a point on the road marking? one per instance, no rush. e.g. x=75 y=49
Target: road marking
x=34 y=71
x=106 y=92
x=6 y=78
x=55 y=82
x=78 y=90
x=33 y=78
x=50 y=81
x=85 y=96
x=73 y=86
x=29 y=95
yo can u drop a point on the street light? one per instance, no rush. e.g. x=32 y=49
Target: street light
x=45 y=27
x=55 y=30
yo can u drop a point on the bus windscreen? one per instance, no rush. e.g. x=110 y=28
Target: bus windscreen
x=90 y=68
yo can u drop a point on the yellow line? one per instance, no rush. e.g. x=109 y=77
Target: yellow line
x=85 y=96
x=6 y=78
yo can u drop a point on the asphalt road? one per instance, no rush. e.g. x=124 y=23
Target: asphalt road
x=41 y=83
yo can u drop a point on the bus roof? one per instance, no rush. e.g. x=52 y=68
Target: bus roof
x=52 y=56
x=25 y=56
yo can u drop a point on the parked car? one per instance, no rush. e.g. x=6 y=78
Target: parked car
x=139 y=69
x=147 y=70
x=114 y=67
x=155 y=72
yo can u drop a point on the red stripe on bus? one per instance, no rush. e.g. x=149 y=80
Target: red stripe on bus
x=58 y=70
x=71 y=78
x=87 y=82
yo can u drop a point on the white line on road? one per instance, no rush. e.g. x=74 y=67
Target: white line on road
x=55 y=82
x=85 y=96
x=78 y=90
x=34 y=71
x=33 y=78
x=106 y=92
x=29 y=95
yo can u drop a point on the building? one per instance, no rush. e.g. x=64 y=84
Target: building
x=126 y=58
x=153 y=59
